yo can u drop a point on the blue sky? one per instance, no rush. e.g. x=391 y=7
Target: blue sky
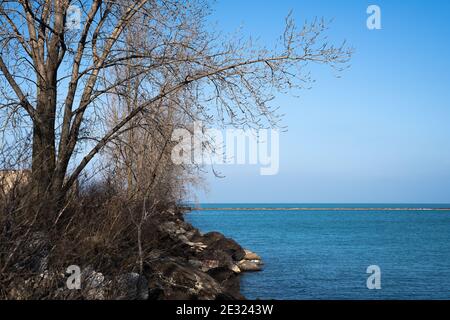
x=379 y=134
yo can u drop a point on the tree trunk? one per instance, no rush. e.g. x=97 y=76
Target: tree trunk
x=44 y=193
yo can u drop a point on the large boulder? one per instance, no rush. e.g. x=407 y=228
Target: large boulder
x=216 y=241
x=174 y=279
x=212 y=258
x=126 y=286
x=229 y=281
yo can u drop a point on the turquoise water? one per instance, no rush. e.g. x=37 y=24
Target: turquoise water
x=325 y=254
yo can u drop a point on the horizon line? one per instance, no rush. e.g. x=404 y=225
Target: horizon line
x=318 y=209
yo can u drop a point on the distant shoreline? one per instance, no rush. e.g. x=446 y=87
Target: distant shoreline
x=318 y=209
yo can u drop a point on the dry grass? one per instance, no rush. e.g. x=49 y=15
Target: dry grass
x=100 y=229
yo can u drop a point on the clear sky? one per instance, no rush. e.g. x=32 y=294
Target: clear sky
x=379 y=134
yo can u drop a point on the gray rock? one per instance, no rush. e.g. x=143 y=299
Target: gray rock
x=195 y=263
x=36 y=250
x=249 y=255
x=180 y=231
x=209 y=264
x=217 y=241
x=184 y=239
x=249 y=266
x=93 y=284
x=178 y=280
x=169 y=227
x=132 y=286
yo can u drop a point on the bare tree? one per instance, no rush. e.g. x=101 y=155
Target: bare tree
x=58 y=82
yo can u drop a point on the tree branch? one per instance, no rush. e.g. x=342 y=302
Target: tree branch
x=23 y=99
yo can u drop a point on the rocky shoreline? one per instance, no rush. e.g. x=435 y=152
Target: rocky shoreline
x=196 y=266
x=180 y=264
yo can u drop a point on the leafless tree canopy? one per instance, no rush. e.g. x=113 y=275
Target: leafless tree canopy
x=58 y=84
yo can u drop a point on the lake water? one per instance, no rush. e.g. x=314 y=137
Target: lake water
x=325 y=254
